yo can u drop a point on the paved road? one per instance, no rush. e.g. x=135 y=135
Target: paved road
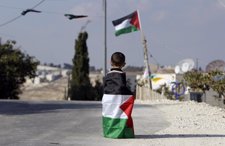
x=64 y=123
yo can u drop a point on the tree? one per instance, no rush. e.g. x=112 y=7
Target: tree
x=15 y=66
x=98 y=90
x=80 y=86
x=217 y=82
x=199 y=84
x=197 y=81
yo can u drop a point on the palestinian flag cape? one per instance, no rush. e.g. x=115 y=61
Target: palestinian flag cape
x=117 y=105
x=127 y=24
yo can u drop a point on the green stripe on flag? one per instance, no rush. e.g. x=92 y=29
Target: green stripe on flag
x=126 y=30
x=116 y=128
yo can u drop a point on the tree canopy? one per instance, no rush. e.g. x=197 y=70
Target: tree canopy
x=15 y=66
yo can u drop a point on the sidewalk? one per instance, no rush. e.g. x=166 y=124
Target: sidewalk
x=192 y=124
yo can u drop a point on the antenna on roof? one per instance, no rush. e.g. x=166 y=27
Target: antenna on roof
x=184 y=66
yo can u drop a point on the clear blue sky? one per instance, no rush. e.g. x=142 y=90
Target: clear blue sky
x=175 y=29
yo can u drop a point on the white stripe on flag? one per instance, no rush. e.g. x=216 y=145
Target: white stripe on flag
x=111 y=105
x=124 y=24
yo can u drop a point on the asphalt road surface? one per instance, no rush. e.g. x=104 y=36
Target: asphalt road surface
x=69 y=123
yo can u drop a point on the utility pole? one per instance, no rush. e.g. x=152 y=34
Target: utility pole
x=147 y=62
x=105 y=37
x=197 y=64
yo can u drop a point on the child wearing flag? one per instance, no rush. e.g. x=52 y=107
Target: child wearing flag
x=117 y=101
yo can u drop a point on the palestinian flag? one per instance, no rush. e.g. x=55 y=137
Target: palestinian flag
x=117 y=106
x=127 y=24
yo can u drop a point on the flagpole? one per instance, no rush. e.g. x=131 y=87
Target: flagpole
x=146 y=61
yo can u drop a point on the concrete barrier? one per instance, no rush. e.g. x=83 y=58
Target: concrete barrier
x=144 y=93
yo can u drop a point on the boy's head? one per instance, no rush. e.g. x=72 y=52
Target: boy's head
x=118 y=60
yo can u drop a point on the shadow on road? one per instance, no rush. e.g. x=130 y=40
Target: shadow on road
x=14 y=107
x=158 y=136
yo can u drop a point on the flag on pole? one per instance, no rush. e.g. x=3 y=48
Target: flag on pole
x=127 y=24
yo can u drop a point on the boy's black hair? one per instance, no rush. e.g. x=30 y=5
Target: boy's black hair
x=118 y=59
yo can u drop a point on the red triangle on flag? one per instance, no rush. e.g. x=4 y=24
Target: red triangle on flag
x=127 y=108
x=135 y=20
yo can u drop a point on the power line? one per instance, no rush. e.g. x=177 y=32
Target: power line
x=48 y=12
x=37 y=4
x=151 y=56
x=9 y=21
x=14 y=19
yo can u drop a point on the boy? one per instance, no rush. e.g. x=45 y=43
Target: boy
x=117 y=101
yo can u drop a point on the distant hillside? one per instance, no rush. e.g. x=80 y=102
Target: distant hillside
x=46 y=91
x=133 y=68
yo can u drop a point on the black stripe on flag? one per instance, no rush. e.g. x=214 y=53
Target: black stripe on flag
x=120 y=20
x=115 y=83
